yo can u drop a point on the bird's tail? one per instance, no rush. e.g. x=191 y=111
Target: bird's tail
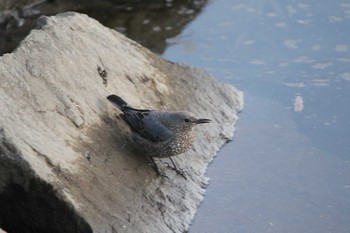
x=117 y=101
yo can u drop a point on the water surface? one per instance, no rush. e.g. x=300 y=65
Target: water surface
x=149 y=23
x=288 y=168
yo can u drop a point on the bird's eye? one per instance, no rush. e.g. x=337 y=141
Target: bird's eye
x=187 y=120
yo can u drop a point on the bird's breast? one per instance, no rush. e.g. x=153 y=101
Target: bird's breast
x=182 y=143
x=179 y=144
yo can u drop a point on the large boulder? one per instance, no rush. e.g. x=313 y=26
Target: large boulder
x=67 y=163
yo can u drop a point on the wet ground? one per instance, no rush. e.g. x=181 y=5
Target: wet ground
x=288 y=168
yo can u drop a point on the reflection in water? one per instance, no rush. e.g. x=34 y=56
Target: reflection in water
x=298 y=103
x=321 y=82
x=148 y=22
x=341 y=48
x=321 y=66
x=303 y=59
x=345 y=76
x=291 y=44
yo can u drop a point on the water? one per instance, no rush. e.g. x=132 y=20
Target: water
x=288 y=168
x=147 y=22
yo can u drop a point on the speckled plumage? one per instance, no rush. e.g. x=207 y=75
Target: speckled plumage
x=159 y=134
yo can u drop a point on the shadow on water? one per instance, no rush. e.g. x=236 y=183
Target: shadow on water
x=149 y=23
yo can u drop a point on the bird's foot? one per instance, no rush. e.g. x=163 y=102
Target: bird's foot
x=161 y=174
x=156 y=169
x=181 y=173
x=178 y=171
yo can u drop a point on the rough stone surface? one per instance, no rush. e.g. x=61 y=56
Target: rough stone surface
x=61 y=138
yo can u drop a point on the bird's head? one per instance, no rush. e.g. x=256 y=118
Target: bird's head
x=183 y=120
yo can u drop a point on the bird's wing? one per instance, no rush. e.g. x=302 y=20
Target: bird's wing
x=146 y=125
x=122 y=104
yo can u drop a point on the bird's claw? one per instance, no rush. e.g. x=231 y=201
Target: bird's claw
x=181 y=173
x=162 y=174
x=178 y=171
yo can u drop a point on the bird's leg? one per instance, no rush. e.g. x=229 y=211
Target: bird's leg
x=179 y=172
x=155 y=167
x=174 y=165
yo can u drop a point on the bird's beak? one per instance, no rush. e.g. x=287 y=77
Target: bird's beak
x=202 y=121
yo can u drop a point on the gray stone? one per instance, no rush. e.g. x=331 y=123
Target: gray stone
x=57 y=128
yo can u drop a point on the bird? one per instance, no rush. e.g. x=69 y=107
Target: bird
x=159 y=134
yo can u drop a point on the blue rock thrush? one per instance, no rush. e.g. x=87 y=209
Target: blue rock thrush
x=159 y=134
